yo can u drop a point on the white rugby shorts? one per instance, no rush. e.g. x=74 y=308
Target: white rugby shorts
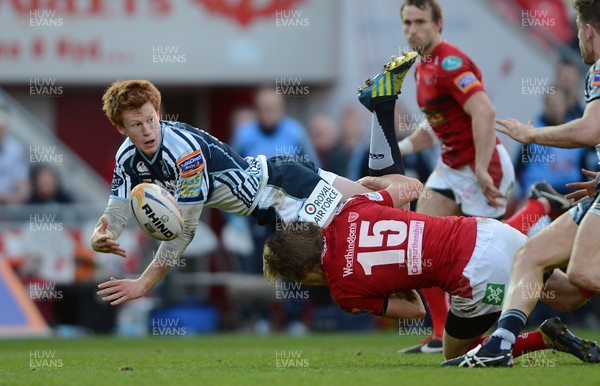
x=467 y=192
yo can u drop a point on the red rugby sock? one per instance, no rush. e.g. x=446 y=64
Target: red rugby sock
x=524 y=219
x=438 y=309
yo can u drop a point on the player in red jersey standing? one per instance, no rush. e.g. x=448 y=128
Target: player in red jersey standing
x=373 y=256
x=475 y=174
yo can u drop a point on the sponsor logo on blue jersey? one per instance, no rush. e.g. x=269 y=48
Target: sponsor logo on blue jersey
x=596 y=79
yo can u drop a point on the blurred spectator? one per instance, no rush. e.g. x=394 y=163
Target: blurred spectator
x=420 y=164
x=325 y=137
x=273 y=133
x=242 y=116
x=46 y=187
x=14 y=182
x=555 y=165
x=568 y=80
x=355 y=142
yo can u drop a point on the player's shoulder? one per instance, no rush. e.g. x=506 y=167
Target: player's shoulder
x=125 y=152
x=594 y=74
x=452 y=59
x=182 y=138
x=181 y=129
x=592 y=91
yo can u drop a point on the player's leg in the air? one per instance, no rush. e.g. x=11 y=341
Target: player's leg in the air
x=379 y=96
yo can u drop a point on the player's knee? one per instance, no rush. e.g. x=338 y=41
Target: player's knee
x=528 y=256
x=584 y=278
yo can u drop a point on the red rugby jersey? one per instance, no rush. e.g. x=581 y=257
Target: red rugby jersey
x=445 y=80
x=373 y=250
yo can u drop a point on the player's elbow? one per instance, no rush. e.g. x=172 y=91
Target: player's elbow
x=590 y=133
x=480 y=109
x=188 y=232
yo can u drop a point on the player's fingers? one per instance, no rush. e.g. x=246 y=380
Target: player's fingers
x=113 y=297
x=110 y=283
x=366 y=181
x=503 y=130
x=101 y=238
x=118 y=251
x=589 y=173
x=120 y=300
x=493 y=203
x=502 y=122
x=109 y=290
x=491 y=199
x=576 y=194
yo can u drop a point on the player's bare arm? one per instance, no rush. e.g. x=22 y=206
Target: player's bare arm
x=169 y=252
x=349 y=188
x=406 y=305
x=384 y=182
x=421 y=139
x=118 y=291
x=482 y=113
x=581 y=132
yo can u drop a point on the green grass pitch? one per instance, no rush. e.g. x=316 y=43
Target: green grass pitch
x=317 y=359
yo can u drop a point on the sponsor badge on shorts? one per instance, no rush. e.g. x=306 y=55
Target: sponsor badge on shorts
x=494 y=294
x=321 y=204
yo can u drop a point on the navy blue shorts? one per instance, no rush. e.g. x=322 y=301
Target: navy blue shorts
x=579 y=212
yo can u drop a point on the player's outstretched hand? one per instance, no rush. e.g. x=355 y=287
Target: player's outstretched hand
x=518 y=131
x=490 y=191
x=119 y=291
x=585 y=189
x=102 y=240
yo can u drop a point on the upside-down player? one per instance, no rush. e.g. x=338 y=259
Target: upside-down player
x=373 y=256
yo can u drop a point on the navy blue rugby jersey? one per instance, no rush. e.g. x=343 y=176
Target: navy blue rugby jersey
x=195 y=167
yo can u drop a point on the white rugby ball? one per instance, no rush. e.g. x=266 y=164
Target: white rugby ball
x=156 y=212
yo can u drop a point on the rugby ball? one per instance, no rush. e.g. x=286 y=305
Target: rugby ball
x=156 y=212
